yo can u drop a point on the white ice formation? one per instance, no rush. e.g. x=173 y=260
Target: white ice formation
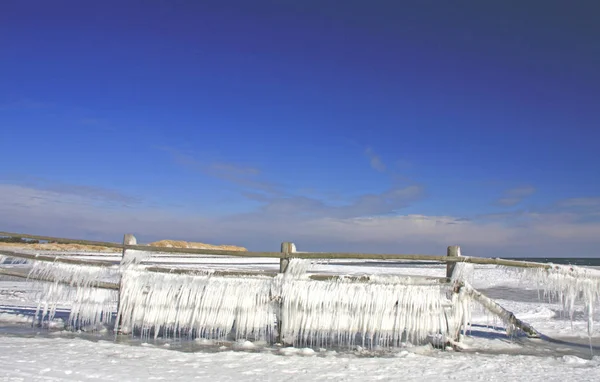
x=196 y=305
x=323 y=313
x=74 y=288
x=569 y=285
x=300 y=310
x=463 y=272
x=134 y=257
x=376 y=312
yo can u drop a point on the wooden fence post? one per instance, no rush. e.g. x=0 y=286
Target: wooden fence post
x=287 y=249
x=128 y=239
x=453 y=250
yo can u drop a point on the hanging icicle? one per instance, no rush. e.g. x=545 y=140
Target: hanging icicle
x=567 y=284
x=383 y=311
x=369 y=314
x=197 y=305
x=88 y=305
x=376 y=313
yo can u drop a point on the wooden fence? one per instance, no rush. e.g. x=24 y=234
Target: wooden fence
x=287 y=252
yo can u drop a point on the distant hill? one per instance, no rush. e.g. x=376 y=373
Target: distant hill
x=94 y=248
x=191 y=244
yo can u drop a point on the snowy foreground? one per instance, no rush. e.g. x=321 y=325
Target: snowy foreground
x=58 y=359
x=564 y=353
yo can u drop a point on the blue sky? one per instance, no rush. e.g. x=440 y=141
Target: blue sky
x=384 y=126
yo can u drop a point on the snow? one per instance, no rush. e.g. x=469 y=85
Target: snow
x=488 y=353
x=8 y=318
x=61 y=359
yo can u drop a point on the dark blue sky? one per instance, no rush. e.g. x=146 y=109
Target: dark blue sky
x=383 y=125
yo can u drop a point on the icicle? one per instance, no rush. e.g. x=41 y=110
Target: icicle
x=88 y=305
x=461 y=314
x=198 y=305
x=312 y=312
x=568 y=284
x=377 y=314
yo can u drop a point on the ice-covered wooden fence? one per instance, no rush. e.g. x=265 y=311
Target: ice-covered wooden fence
x=289 y=306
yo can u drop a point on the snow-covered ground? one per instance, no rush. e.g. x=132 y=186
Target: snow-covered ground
x=51 y=353
x=61 y=359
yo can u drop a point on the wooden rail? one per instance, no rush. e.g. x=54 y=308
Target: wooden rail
x=96 y=284
x=299 y=255
x=55 y=259
x=220 y=273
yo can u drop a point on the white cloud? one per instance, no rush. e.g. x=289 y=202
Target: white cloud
x=52 y=212
x=514 y=196
x=248 y=178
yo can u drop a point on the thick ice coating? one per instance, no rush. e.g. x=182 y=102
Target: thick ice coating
x=88 y=305
x=307 y=312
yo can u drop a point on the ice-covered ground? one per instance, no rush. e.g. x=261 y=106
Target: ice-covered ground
x=33 y=353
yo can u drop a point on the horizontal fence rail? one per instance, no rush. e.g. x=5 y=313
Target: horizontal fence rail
x=258 y=273
x=298 y=255
x=55 y=259
x=16 y=273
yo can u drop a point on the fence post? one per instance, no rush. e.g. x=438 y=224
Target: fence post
x=287 y=249
x=128 y=239
x=454 y=251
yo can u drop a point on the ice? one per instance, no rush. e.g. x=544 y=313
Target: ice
x=377 y=313
x=384 y=311
x=197 y=305
x=7 y=260
x=340 y=312
x=134 y=257
x=569 y=285
x=297 y=267
x=88 y=305
x=463 y=272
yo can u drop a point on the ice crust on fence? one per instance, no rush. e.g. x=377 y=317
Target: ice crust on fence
x=89 y=306
x=463 y=272
x=383 y=311
x=375 y=314
x=196 y=305
x=133 y=257
x=567 y=284
x=7 y=260
x=318 y=313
